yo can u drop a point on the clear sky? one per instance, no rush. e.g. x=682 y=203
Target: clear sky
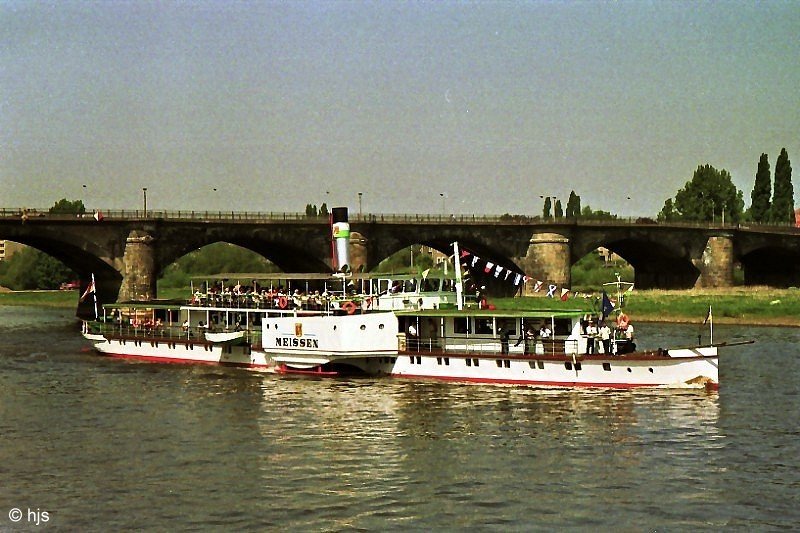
x=467 y=107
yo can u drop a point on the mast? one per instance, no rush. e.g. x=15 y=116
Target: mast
x=459 y=281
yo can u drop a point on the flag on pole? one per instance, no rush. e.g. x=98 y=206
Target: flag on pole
x=89 y=290
x=607 y=306
x=709 y=316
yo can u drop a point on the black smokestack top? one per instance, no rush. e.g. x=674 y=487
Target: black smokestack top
x=339 y=214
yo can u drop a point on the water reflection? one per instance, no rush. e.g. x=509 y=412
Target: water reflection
x=131 y=445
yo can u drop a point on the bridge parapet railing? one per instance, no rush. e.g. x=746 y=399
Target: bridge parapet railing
x=16 y=213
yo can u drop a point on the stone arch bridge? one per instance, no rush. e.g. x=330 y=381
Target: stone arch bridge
x=126 y=251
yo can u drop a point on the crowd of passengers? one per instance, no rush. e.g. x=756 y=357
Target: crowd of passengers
x=255 y=297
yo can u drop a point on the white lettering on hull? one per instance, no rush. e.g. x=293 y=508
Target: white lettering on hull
x=294 y=342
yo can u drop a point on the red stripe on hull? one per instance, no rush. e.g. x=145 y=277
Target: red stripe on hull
x=283 y=369
x=179 y=361
x=713 y=386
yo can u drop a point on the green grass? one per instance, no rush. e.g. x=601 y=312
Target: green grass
x=751 y=305
x=40 y=298
x=745 y=305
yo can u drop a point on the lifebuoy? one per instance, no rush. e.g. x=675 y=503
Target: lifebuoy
x=350 y=307
x=283 y=302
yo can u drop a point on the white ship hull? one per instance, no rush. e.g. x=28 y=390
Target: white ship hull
x=588 y=371
x=181 y=351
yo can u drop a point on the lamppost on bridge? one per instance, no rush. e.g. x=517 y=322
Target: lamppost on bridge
x=359 y=203
x=444 y=208
x=144 y=198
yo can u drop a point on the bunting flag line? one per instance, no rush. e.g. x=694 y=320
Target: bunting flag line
x=472 y=262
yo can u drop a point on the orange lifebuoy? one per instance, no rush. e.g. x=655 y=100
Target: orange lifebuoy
x=283 y=302
x=349 y=306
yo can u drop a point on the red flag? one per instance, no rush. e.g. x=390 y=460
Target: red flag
x=89 y=290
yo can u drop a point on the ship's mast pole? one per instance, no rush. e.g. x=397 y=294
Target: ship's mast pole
x=459 y=281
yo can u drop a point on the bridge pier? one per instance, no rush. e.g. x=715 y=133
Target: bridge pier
x=139 y=280
x=716 y=264
x=547 y=259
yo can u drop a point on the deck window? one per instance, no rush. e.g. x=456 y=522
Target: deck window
x=461 y=325
x=568 y=365
x=468 y=361
x=607 y=367
x=447 y=361
x=507 y=363
x=483 y=326
x=476 y=362
x=499 y=363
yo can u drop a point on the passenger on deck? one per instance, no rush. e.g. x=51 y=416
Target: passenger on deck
x=605 y=337
x=413 y=342
x=503 y=341
x=526 y=339
x=591 y=337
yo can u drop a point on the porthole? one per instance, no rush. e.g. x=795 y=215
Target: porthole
x=380 y=326
x=363 y=327
x=629 y=369
x=651 y=370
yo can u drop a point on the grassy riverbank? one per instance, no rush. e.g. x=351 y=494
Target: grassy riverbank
x=738 y=305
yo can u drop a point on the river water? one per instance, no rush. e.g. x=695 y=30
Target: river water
x=97 y=444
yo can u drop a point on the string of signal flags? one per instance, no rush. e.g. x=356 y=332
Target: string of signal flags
x=472 y=262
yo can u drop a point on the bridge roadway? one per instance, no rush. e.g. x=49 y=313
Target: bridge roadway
x=127 y=250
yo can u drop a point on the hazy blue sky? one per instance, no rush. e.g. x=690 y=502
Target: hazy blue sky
x=490 y=104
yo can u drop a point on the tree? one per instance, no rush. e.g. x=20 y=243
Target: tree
x=559 y=210
x=762 y=190
x=782 y=210
x=30 y=269
x=588 y=212
x=547 y=206
x=573 y=205
x=65 y=206
x=323 y=210
x=668 y=213
x=704 y=199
